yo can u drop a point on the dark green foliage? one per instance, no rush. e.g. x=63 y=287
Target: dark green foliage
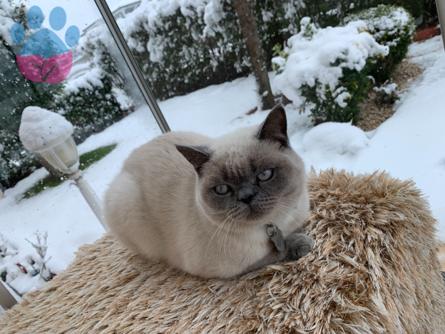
x=15 y=161
x=397 y=39
x=194 y=56
x=86 y=160
x=325 y=109
x=189 y=60
x=94 y=107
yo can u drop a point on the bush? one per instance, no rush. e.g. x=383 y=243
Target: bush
x=390 y=26
x=97 y=99
x=327 y=70
x=15 y=161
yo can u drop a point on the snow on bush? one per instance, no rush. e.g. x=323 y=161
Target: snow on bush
x=390 y=26
x=328 y=69
x=387 y=93
x=97 y=99
x=25 y=270
x=6 y=21
x=184 y=45
x=41 y=128
x=335 y=138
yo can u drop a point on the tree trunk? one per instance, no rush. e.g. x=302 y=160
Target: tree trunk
x=249 y=31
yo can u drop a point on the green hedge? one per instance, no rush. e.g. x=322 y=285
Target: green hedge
x=99 y=100
x=181 y=52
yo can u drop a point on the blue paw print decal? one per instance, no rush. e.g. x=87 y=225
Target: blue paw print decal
x=44 y=57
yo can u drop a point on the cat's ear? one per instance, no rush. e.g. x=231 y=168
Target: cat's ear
x=196 y=155
x=274 y=128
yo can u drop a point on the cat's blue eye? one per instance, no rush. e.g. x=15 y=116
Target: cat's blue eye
x=222 y=189
x=265 y=175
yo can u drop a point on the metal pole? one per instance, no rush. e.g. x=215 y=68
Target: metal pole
x=90 y=196
x=7 y=300
x=440 y=4
x=135 y=70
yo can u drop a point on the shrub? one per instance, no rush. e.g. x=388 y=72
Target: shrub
x=390 y=26
x=97 y=99
x=15 y=161
x=327 y=70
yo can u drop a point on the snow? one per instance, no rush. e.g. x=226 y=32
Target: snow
x=383 y=20
x=334 y=138
x=150 y=13
x=312 y=53
x=41 y=128
x=88 y=80
x=388 y=89
x=409 y=145
x=5 y=21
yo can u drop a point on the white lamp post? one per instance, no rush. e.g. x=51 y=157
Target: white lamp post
x=49 y=136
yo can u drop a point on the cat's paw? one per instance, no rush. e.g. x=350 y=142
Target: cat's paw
x=298 y=245
x=276 y=237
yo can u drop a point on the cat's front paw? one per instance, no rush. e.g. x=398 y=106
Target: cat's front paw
x=276 y=238
x=298 y=245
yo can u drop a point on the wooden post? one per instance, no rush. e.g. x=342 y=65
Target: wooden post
x=249 y=30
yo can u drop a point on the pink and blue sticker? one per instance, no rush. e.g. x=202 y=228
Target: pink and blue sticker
x=43 y=56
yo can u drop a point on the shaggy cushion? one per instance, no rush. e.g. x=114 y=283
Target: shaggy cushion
x=374 y=269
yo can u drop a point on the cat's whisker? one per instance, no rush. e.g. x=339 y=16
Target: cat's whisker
x=220 y=227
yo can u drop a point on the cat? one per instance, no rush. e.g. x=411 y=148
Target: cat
x=213 y=207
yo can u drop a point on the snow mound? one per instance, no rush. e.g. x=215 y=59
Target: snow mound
x=40 y=127
x=335 y=138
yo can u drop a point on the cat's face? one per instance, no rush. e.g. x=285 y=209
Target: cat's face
x=250 y=186
x=252 y=182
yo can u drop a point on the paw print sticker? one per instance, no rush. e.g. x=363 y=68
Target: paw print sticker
x=43 y=56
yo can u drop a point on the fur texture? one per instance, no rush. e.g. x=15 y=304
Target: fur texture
x=165 y=204
x=373 y=270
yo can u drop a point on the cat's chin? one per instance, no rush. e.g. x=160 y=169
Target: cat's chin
x=253 y=216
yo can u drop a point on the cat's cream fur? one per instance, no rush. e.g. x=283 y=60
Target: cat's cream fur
x=155 y=205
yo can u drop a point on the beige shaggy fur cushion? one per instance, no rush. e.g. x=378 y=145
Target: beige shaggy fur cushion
x=374 y=269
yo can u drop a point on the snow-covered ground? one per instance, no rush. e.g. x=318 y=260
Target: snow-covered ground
x=410 y=145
